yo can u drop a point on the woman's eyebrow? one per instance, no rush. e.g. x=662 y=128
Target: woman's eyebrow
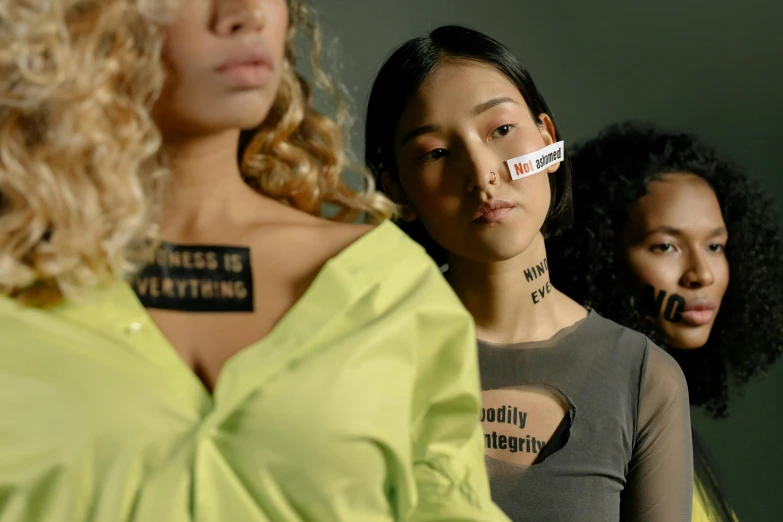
x=494 y=102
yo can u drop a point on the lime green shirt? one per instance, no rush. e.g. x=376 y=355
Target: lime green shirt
x=362 y=404
x=704 y=510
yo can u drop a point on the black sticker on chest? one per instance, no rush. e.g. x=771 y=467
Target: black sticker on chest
x=197 y=279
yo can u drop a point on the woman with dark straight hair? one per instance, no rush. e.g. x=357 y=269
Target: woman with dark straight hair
x=583 y=419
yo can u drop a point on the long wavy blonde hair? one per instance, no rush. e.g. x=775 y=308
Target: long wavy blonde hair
x=81 y=168
x=297 y=154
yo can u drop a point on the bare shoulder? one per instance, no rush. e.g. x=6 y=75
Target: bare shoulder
x=342 y=235
x=299 y=243
x=294 y=230
x=330 y=237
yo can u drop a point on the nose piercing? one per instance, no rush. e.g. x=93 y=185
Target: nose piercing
x=493 y=179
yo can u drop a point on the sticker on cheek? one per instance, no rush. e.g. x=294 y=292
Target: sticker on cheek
x=535 y=162
x=654 y=304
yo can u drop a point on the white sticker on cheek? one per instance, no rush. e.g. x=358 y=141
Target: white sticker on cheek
x=535 y=162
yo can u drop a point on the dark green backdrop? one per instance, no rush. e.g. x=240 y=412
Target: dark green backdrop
x=711 y=67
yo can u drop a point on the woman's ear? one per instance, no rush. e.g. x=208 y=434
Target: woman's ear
x=392 y=188
x=548 y=133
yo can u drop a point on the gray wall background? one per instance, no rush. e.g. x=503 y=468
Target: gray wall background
x=711 y=67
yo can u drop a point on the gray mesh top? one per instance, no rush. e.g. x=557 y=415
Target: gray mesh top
x=623 y=450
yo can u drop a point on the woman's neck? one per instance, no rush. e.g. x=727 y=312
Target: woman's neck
x=513 y=301
x=206 y=191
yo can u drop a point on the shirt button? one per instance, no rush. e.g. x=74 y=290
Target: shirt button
x=133 y=328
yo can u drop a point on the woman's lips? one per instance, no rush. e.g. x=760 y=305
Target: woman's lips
x=699 y=312
x=248 y=67
x=493 y=211
x=248 y=75
x=698 y=317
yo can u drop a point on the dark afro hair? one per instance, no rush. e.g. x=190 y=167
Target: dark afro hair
x=611 y=173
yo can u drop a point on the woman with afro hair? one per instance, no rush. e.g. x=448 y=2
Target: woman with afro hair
x=675 y=241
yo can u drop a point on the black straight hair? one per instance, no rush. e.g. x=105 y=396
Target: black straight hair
x=400 y=78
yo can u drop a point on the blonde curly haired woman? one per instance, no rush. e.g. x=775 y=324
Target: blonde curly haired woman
x=266 y=364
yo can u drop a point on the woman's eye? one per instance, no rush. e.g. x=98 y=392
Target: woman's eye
x=662 y=247
x=501 y=131
x=717 y=248
x=434 y=155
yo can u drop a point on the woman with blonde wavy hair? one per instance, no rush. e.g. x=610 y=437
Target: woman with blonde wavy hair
x=183 y=336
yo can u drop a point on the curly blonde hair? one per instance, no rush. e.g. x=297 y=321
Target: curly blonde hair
x=81 y=169
x=297 y=155
x=78 y=147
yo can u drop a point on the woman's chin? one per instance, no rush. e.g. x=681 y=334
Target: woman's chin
x=685 y=337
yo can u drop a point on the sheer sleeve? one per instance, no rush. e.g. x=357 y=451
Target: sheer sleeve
x=660 y=475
